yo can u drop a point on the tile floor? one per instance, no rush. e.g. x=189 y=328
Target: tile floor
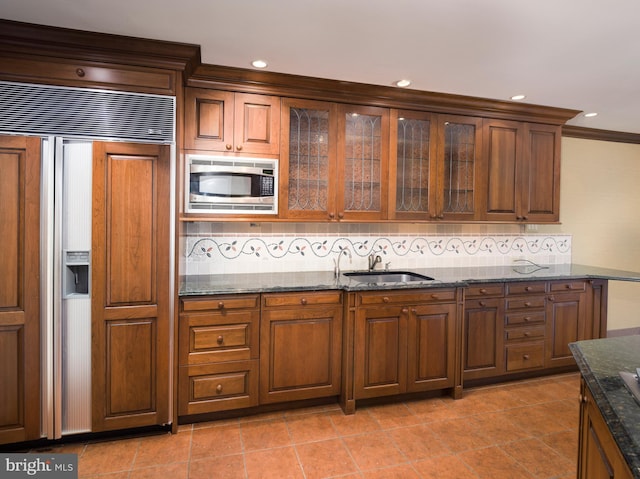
x=520 y=430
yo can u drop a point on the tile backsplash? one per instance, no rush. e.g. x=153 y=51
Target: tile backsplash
x=219 y=248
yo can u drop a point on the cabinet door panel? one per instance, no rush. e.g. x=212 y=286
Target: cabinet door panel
x=257 y=124
x=542 y=173
x=208 y=119
x=130 y=285
x=483 y=333
x=380 y=352
x=300 y=353
x=431 y=347
x=19 y=289
x=566 y=318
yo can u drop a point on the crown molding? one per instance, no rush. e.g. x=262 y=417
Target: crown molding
x=571 y=131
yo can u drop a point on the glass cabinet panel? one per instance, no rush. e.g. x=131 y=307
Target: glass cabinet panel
x=460 y=143
x=308 y=159
x=363 y=150
x=413 y=165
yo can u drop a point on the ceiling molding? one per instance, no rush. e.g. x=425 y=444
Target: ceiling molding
x=571 y=131
x=298 y=86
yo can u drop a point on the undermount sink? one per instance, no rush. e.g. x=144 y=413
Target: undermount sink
x=386 y=276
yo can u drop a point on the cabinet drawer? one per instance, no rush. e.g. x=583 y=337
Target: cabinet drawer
x=535 y=332
x=525 y=356
x=561 y=286
x=420 y=296
x=526 y=288
x=301 y=299
x=485 y=290
x=214 y=337
x=534 y=302
x=525 y=318
x=220 y=303
x=218 y=387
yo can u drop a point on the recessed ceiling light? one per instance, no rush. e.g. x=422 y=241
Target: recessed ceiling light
x=403 y=83
x=590 y=115
x=518 y=97
x=259 y=63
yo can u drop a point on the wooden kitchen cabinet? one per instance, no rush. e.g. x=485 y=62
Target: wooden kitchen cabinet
x=484 y=331
x=405 y=341
x=130 y=285
x=363 y=154
x=598 y=454
x=218 y=351
x=522 y=167
x=308 y=160
x=300 y=346
x=223 y=121
x=566 y=321
x=19 y=289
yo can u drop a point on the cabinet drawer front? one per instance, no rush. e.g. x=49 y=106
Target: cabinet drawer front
x=561 y=286
x=211 y=388
x=483 y=290
x=535 y=302
x=525 y=318
x=214 y=337
x=421 y=296
x=302 y=299
x=526 y=288
x=221 y=303
x=525 y=356
x=525 y=333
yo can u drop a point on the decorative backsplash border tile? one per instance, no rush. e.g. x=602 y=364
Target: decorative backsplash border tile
x=264 y=253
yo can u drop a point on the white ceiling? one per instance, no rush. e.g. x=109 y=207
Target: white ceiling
x=580 y=54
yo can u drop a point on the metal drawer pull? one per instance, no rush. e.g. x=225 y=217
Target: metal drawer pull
x=303 y=301
x=525 y=357
x=221 y=305
x=219 y=388
x=385 y=299
x=220 y=339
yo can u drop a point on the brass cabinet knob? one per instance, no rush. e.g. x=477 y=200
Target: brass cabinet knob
x=239 y=147
x=80 y=72
x=527 y=319
x=527 y=304
x=332 y=215
x=414 y=311
x=341 y=215
x=482 y=303
x=221 y=305
x=385 y=299
x=404 y=310
x=228 y=146
x=220 y=339
x=303 y=301
x=525 y=357
x=219 y=388
x=483 y=291
x=527 y=288
x=526 y=334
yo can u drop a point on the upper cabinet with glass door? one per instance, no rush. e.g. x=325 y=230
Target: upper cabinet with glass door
x=363 y=152
x=308 y=160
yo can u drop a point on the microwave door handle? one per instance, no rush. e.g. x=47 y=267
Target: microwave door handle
x=226 y=169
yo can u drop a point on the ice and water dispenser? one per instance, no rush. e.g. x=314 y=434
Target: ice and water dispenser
x=76 y=278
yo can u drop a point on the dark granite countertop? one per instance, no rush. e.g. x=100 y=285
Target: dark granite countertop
x=194 y=285
x=600 y=361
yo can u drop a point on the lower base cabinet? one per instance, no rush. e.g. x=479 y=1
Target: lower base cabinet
x=598 y=454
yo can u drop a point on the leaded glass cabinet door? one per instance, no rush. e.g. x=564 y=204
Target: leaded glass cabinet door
x=460 y=140
x=363 y=149
x=308 y=160
x=412 y=165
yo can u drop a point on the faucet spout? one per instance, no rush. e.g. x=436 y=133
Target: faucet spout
x=336 y=261
x=373 y=261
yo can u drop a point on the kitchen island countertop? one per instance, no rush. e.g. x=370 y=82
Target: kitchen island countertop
x=600 y=362
x=194 y=285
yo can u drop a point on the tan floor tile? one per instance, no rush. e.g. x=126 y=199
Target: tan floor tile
x=310 y=427
x=565 y=443
x=373 y=450
x=105 y=457
x=460 y=434
x=418 y=442
x=404 y=471
x=498 y=427
x=446 y=467
x=535 y=421
x=225 y=467
x=493 y=463
x=351 y=424
x=215 y=442
x=265 y=434
x=538 y=458
x=174 y=471
x=163 y=449
x=280 y=463
x=393 y=415
x=325 y=459
x=434 y=409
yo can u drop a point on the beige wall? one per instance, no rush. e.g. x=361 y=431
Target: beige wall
x=600 y=207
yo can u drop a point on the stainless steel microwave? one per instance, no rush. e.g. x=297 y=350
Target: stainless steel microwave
x=231 y=185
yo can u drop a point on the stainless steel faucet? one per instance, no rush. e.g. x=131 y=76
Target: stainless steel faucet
x=373 y=261
x=336 y=261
